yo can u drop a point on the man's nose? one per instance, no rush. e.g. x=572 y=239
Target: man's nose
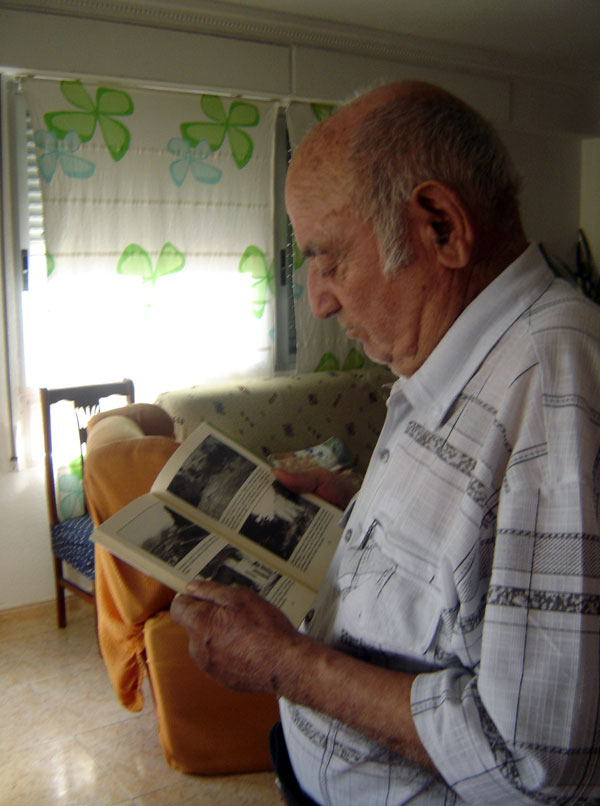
x=323 y=302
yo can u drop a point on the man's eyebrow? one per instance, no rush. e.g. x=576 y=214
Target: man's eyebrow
x=310 y=250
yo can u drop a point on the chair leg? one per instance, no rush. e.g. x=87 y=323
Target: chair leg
x=61 y=610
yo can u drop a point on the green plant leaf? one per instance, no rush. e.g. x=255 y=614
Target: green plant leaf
x=584 y=274
x=328 y=363
x=50 y=264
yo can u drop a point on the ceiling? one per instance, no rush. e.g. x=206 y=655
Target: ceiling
x=562 y=34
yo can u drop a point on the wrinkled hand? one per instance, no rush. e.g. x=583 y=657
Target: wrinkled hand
x=336 y=488
x=236 y=637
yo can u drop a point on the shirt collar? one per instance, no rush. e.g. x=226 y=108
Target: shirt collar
x=438 y=382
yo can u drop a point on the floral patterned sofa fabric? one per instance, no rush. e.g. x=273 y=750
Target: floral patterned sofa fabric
x=289 y=413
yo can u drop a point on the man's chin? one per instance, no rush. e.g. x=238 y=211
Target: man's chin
x=404 y=366
x=376 y=356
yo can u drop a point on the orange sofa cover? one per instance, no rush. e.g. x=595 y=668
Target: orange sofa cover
x=203 y=728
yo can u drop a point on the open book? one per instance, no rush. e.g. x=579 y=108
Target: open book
x=217 y=512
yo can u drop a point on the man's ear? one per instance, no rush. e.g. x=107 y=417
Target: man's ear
x=442 y=223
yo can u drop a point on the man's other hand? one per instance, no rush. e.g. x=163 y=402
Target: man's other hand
x=336 y=488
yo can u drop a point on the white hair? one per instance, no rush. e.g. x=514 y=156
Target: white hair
x=429 y=135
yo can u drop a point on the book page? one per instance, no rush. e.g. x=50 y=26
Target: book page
x=162 y=543
x=217 y=483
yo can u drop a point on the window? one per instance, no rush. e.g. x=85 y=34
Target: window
x=160 y=260
x=99 y=301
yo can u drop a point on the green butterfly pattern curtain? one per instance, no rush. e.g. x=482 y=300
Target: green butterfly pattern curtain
x=158 y=214
x=321 y=345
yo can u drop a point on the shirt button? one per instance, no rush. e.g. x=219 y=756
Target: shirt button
x=348 y=535
x=384 y=455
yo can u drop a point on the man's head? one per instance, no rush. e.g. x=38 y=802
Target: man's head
x=423 y=134
x=405 y=202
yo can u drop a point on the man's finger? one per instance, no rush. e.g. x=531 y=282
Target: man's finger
x=216 y=593
x=188 y=610
x=306 y=482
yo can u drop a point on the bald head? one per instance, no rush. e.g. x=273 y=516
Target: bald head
x=328 y=145
x=325 y=149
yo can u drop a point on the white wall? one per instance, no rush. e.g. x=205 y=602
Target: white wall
x=550 y=128
x=550 y=167
x=590 y=194
x=26 y=574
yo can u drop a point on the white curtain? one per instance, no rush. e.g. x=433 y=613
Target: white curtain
x=158 y=211
x=321 y=345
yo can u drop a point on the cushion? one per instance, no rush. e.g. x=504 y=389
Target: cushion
x=331 y=454
x=71 y=543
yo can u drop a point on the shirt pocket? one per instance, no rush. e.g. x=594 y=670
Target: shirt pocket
x=415 y=510
x=390 y=594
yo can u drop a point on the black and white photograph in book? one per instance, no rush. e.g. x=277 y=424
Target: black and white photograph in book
x=211 y=476
x=278 y=520
x=232 y=567
x=173 y=542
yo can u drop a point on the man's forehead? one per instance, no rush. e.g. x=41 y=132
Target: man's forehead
x=321 y=227
x=322 y=186
x=317 y=198
x=321 y=166
x=319 y=177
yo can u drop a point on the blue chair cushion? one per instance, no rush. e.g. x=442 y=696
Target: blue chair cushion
x=71 y=543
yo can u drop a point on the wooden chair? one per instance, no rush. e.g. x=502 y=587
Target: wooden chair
x=70 y=538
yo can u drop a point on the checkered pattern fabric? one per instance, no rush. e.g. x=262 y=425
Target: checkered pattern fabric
x=71 y=543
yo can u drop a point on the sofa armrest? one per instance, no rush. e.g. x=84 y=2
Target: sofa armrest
x=115 y=474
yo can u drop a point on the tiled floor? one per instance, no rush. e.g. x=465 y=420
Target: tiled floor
x=64 y=738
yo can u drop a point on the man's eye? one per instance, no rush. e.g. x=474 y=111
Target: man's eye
x=325 y=266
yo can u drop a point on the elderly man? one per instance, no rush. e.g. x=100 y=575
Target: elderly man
x=453 y=652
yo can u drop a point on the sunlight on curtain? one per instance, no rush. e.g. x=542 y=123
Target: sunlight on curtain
x=158 y=213
x=321 y=345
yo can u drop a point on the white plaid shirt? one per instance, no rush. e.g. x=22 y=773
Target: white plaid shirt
x=472 y=557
